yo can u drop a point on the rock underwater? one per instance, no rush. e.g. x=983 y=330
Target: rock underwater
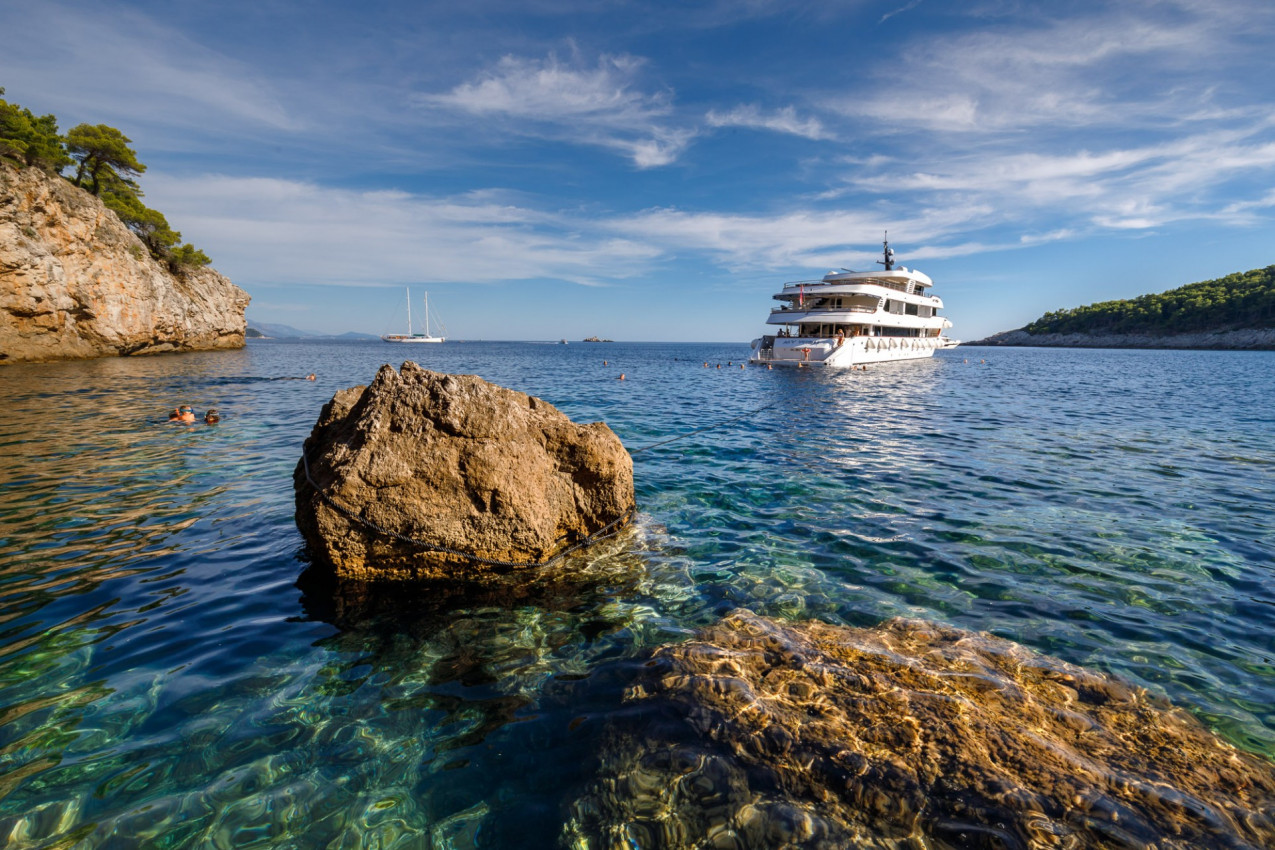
x=454 y=462
x=761 y=734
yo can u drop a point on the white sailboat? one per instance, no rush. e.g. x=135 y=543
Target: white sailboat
x=414 y=337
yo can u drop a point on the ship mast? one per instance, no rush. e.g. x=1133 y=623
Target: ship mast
x=888 y=262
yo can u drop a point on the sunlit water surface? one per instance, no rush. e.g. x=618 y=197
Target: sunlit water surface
x=165 y=680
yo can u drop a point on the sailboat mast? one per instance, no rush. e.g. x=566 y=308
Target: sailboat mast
x=409 y=311
x=427 y=314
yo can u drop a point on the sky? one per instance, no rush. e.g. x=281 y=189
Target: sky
x=656 y=170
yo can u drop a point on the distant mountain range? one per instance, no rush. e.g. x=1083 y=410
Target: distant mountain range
x=271 y=330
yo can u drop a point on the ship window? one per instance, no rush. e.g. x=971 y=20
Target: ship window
x=910 y=309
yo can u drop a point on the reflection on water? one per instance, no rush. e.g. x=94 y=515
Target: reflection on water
x=165 y=679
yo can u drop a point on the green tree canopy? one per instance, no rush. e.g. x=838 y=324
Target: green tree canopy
x=29 y=139
x=150 y=225
x=104 y=159
x=103 y=153
x=1237 y=301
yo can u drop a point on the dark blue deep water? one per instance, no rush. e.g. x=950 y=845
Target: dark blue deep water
x=166 y=680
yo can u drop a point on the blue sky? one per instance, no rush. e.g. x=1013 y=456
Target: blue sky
x=653 y=171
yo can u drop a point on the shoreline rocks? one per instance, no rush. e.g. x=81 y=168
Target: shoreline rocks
x=453 y=462
x=1251 y=339
x=759 y=733
x=75 y=283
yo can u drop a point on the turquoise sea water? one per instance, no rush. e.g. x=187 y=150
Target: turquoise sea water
x=167 y=678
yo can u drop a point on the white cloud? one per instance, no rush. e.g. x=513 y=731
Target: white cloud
x=780 y=121
x=802 y=239
x=133 y=69
x=1129 y=118
x=1142 y=63
x=283 y=231
x=904 y=8
x=599 y=105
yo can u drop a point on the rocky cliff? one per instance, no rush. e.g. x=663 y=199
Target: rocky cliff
x=76 y=283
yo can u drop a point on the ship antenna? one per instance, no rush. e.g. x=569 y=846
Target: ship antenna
x=888 y=262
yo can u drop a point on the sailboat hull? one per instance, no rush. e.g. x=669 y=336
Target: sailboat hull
x=416 y=338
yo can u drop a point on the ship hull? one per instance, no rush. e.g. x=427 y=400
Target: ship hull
x=809 y=351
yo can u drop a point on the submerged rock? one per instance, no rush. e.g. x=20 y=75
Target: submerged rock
x=760 y=734
x=452 y=462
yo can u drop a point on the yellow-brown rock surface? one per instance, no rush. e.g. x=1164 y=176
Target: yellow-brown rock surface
x=762 y=734
x=456 y=462
x=76 y=283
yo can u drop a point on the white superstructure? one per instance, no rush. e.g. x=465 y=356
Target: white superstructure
x=409 y=336
x=849 y=318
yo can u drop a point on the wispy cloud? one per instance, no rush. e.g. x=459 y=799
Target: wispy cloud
x=1130 y=118
x=600 y=105
x=286 y=231
x=123 y=66
x=1143 y=63
x=904 y=8
x=783 y=120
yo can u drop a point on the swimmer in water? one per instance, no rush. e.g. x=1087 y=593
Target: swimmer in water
x=212 y=417
x=182 y=414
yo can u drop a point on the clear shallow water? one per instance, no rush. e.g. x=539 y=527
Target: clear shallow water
x=165 y=680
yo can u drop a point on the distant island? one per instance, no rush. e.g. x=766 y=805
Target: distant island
x=1232 y=312
x=269 y=330
x=596 y=339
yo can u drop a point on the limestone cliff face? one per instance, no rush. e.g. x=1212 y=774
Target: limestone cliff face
x=76 y=283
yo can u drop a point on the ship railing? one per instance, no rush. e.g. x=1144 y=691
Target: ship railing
x=823 y=309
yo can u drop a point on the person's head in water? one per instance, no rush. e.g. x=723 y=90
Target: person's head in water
x=182 y=414
x=212 y=417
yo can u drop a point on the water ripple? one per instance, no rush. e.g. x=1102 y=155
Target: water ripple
x=166 y=679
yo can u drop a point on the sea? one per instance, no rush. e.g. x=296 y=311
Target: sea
x=172 y=675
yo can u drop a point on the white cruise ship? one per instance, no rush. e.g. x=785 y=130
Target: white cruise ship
x=851 y=318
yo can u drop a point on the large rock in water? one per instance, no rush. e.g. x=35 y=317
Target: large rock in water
x=761 y=734
x=76 y=283
x=453 y=461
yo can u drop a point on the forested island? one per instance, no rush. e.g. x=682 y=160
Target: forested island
x=1236 y=311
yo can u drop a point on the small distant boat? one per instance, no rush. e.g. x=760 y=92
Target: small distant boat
x=414 y=337
x=562 y=342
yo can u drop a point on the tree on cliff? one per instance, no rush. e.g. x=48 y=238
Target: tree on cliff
x=103 y=154
x=102 y=157
x=123 y=197
x=30 y=140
